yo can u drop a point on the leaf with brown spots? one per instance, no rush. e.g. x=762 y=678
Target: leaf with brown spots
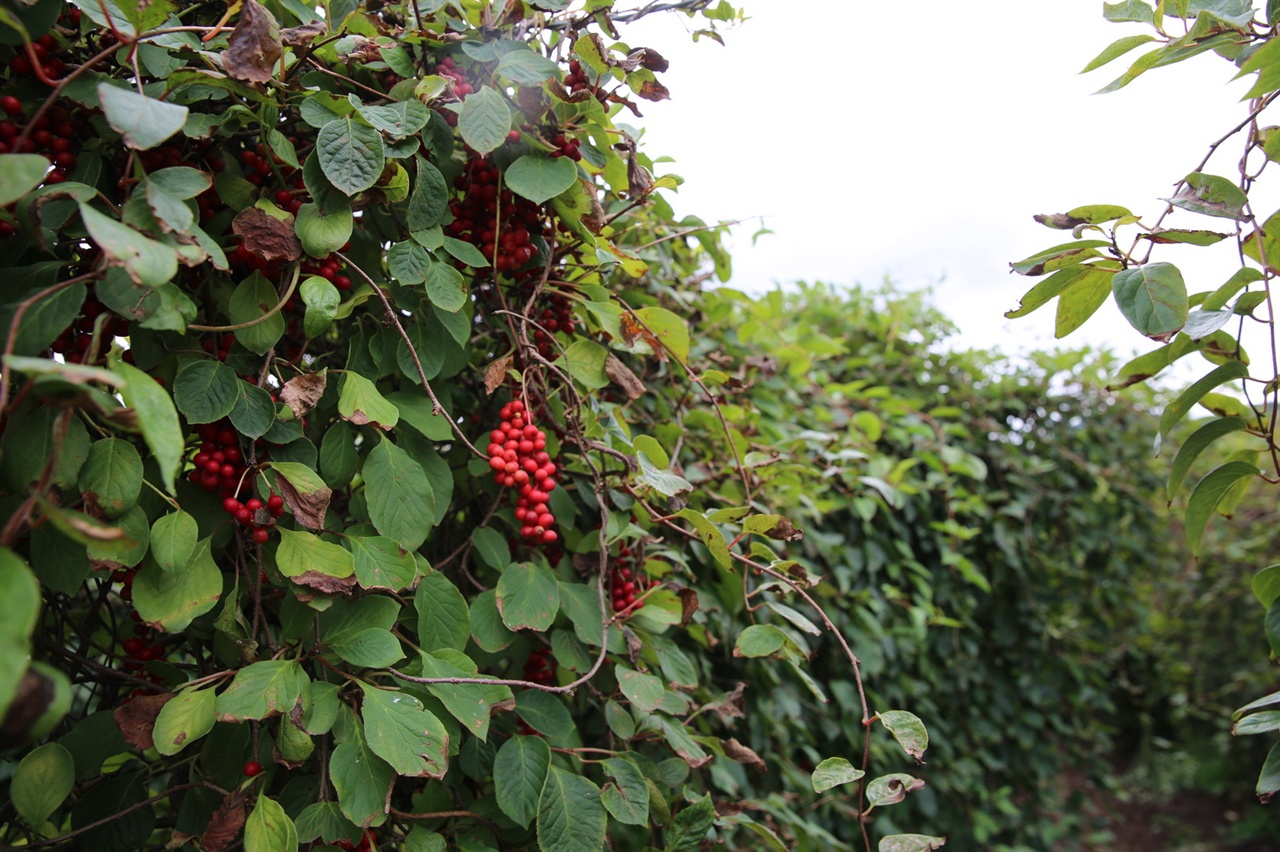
x=254 y=46
x=325 y=583
x=620 y=374
x=137 y=719
x=652 y=90
x=301 y=393
x=303 y=35
x=308 y=507
x=736 y=751
x=266 y=236
x=226 y=823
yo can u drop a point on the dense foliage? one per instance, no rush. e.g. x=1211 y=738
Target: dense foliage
x=1113 y=252
x=361 y=485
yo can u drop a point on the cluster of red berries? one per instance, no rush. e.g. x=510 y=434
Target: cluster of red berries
x=218 y=464
x=330 y=269
x=74 y=341
x=557 y=315
x=448 y=68
x=518 y=456
x=54 y=134
x=258 y=516
x=540 y=668
x=43 y=49
x=475 y=217
x=567 y=147
x=624 y=583
x=144 y=645
x=576 y=80
x=221 y=347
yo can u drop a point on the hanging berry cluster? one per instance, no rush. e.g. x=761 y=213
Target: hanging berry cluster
x=461 y=88
x=625 y=585
x=57 y=134
x=42 y=50
x=518 y=456
x=540 y=668
x=259 y=517
x=218 y=464
x=145 y=645
x=557 y=315
x=475 y=217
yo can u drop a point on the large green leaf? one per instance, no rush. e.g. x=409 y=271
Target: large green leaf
x=19 y=174
x=626 y=797
x=147 y=262
x=467 y=702
x=251 y=302
x=171 y=600
x=351 y=154
x=113 y=474
x=205 y=390
x=360 y=402
x=302 y=553
x=404 y=733
x=1180 y=407
x=362 y=779
x=264 y=689
x=1153 y=298
x=269 y=829
x=1195 y=444
x=185 y=718
x=519 y=771
x=143 y=122
x=1208 y=493
x=540 y=178
x=1212 y=196
x=381 y=563
x=321 y=231
x=484 y=120
x=443 y=619
x=20 y=592
x=571 y=817
x=528 y=597
x=401 y=502
x=41 y=783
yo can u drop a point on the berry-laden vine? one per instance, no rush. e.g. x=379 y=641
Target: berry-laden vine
x=346 y=368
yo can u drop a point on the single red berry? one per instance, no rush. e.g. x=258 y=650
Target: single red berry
x=260 y=536
x=252 y=768
x=11 y=105
x=275 y=503
x=133 y=646
x=231 y=505
x=253 y=504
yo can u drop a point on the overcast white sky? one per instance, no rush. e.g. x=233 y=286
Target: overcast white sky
x=916 y=138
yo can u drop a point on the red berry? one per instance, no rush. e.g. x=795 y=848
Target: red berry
x=133 y=646
x=260 y=536
x=231 y=505
x=252 y=768
x=253 y=504
x=11 y=105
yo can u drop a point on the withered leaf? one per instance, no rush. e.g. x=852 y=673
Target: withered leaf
x=559 y=92
x=137 y=719
x=226 y=823
x=639 y=179
x=620 y=374
x=729 y=706
x=1058 y=221
x=266 y=236
x=635 y=645
x=253 y=49
x=301 y=393
x=784 y=530
x=652 y=90
x=688 y=605
x=303 y=35
x=736 y=751
x=326 y=583
x=496 y=373
x=644 y=57
x=308 y=508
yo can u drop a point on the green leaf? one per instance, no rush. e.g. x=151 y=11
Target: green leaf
x=445 y=287
x=399 y=495
x=171 y=600
x=644 y=691
x=253 y=413
x=1179 y=408
x=487 y=629
x=430 y=197
x=1195 y=444
x=711 y=537
x=269 y=829
x=443 y=619
x=19 y=174
x=571 y=817
x=524 y=66
x=484 y=120
x=264 y=689
x=1059 y=257
x=338 y=455
x=404 y=733
x=908 y=730
x=670 y=330
x=544 y=712
x=1269 y=777
x=467 y=253
x=1128 y=10
x=323 y=231
x=691 y=826
x=910 y=843
x=1116 y=49
x=468 y=703
x=322 y=300
x=185 y=718
x=528 y=597
x=1208 y=493
x=143 y=122
x=627 y=797
x=1212 y=196
x=301 y=553
x=585 y=360
x=398 y=119
x=20 y=591
x=351 y=154
x=360 y=402
x=381 y=563
x=205 y=390
x=1266 y=722
x=833 y=772
x=759 y=640
x=147 y=262
x=540 y=178
x=42 y=782
x=1271 y=627
x=519 y=772
x=361 y=778
x=252 y=300
x=492 y=547
x=1266 y=585
x=113 y=474
x=372 y=648
x=408 y=262
x=1153 y=298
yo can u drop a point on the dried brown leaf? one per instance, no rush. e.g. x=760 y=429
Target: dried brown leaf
x=266 y=236
x=326 y=583
x=308 y=508
x=652 y=90
x=496 y=373
x=137 y=719
x=620 y=374
x=736 y=751
x=253 y=48
x=303 y=35
x=688 y=605
x=301 y=393
x=226 y=823
x=784 y=530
